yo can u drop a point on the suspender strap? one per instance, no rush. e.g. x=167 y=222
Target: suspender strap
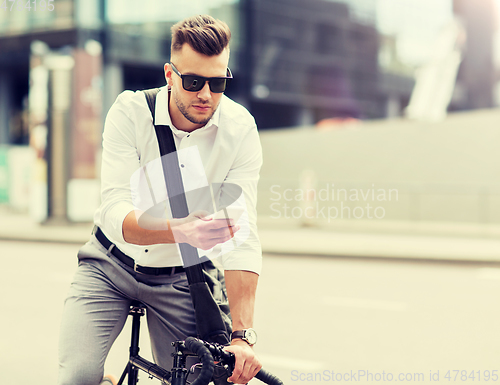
x=175 y=189
x=151 y=99
x=210 y=324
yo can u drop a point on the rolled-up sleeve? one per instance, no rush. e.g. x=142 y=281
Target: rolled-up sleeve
x=247 y=253
x=120 y=159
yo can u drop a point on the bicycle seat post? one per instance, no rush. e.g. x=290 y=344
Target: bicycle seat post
x=137 y=310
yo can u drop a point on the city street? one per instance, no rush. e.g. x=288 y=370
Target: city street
x=319 y=319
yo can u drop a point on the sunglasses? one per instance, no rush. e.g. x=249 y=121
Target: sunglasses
x=195 y=83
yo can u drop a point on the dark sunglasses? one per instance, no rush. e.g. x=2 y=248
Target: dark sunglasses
x=195 y=83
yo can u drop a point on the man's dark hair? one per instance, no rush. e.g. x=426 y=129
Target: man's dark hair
x=203 y=33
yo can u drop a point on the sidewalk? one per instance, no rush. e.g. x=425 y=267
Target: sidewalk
x=342 y=240
x=404 y=240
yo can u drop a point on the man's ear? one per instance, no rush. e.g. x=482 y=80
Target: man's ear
x=168 y=74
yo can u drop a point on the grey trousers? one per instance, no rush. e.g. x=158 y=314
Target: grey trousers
x=97 y=307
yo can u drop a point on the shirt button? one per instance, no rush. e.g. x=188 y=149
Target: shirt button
x=182 y=165
x=146 y=250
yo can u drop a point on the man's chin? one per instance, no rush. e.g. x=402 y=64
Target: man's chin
x=204 y=119
x=198 y=122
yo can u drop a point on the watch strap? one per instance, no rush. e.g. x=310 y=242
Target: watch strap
x=238 y=334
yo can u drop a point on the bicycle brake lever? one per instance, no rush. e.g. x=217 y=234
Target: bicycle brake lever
x=192 y=368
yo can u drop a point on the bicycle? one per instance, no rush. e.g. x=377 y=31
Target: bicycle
x=210 y=355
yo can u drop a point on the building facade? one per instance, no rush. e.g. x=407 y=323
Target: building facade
x=295 y=62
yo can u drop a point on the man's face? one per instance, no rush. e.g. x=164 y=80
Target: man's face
x=192 y=110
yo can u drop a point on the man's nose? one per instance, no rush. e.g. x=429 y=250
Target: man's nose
x=205 y=93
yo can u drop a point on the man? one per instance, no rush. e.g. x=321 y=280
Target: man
x=218 y=146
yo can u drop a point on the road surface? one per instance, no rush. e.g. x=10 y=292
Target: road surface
x=318 y=319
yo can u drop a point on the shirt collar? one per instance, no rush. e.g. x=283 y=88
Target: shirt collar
x=162 y=116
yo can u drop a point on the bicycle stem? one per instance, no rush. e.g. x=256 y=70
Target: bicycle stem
x=179 y=371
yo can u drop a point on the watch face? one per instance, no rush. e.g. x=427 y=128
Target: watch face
x=251 y=336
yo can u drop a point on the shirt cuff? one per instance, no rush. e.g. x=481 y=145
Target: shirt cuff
x=242 y=261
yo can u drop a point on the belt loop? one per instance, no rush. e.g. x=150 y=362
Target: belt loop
x=135 y=267
x=110 y=250
x=173 y=271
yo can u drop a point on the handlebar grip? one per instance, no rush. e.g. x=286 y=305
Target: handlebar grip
x=206 y=358
x=268 y=377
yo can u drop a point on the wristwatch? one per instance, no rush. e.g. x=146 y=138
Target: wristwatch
x=248 y=335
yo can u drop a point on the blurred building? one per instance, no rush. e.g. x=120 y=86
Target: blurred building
x=61 y=67
x=477 y=75
x=318 y=61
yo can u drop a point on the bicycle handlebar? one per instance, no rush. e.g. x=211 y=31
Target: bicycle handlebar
x=198 y=347
x=207 y=352
x=268 y=377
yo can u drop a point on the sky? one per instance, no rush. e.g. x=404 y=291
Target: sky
x=416 y=23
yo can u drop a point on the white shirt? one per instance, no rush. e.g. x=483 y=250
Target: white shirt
x=225 y=152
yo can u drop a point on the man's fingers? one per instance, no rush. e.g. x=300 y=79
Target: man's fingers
x=247 y=364
x=205 y=233
x=216 y=238
x=245 y=374
x=238 y=369
x=221 y=233
x=215 y=241
x=250 y=371
x=221 y=223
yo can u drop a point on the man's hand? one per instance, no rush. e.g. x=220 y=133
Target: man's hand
x=202 y=231
x=247 y=365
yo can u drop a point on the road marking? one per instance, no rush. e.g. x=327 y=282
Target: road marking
x=365 y=303
x=492 y=273
x=290 y=363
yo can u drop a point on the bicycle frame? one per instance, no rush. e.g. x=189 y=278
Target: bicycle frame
x=205 y=351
